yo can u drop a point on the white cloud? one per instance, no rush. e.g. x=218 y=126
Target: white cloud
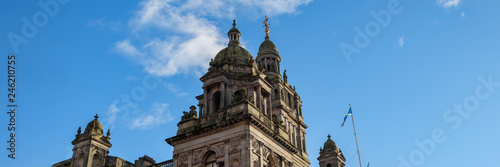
x=401 y=41
x=112 y=113
x=463 y=15
x=448 y=3
x=124 y=47
x=196 y=39
x=158 y=115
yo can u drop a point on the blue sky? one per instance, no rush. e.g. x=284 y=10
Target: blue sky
x=424 y=85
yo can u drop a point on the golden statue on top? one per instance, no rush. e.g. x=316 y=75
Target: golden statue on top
x=266 y=24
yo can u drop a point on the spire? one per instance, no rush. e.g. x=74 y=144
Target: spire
x=266 y=25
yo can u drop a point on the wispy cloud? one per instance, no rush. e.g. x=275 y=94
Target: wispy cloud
x=101 y=24
x=401 y=41
x=124 y=47
x=131 y=78
x=196 y=38
x=448 y=3
x=175 y=89
x=112 y=113
x=159 y=114
x=463 y=15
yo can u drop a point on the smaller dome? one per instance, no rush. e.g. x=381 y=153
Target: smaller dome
x=267 y=47
x=330 y=145
x=94 y=127
x=234 y=29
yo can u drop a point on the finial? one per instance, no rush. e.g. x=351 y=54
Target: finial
x=96 y=116
x=266 y=25
x=234 y=23
x=109 y=133
x=329 y=136
x=79 y=130
x=349 y=104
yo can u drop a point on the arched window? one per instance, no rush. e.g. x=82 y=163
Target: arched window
x=79 y=160
x=235 y=163
x=210 y=160
x=96 y=160
x=329 y=165
x=216 y=101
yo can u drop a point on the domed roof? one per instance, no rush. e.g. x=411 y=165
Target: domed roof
x=267 y=47
x=233 y=54
x=234 y=29
x=330 y=145
x=94 y=127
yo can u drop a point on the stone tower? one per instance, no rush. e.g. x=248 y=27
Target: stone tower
x=248 y=114
x=330 y=155
x=91 y=147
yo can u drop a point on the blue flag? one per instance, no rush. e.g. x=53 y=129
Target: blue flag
x=348 y=113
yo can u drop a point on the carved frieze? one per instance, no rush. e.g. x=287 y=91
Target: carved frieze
x=255 y=146
x=183 y=158
x=234 y=145
x=197 y=155
x=220 y=147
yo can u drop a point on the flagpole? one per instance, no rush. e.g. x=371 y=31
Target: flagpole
x=355 y=136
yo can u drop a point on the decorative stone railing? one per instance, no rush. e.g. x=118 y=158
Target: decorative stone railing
x=167 y=163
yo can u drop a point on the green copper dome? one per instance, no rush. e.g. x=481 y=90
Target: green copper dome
x=235 y=55
x=268 y=47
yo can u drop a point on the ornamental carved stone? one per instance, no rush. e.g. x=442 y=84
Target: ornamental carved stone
x=197 y=155
x=234 y=145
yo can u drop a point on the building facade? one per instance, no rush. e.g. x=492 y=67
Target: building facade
x=247 y=115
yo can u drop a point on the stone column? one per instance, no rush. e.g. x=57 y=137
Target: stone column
x=259 y=97
x=223 y=95
x=270 y=108
x=260 y=153
x=205 y=101
x=304 y=143
x=226 y=153
x=190 y=158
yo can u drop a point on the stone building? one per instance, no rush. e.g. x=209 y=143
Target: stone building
x=248 y=115
x=91 y=150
